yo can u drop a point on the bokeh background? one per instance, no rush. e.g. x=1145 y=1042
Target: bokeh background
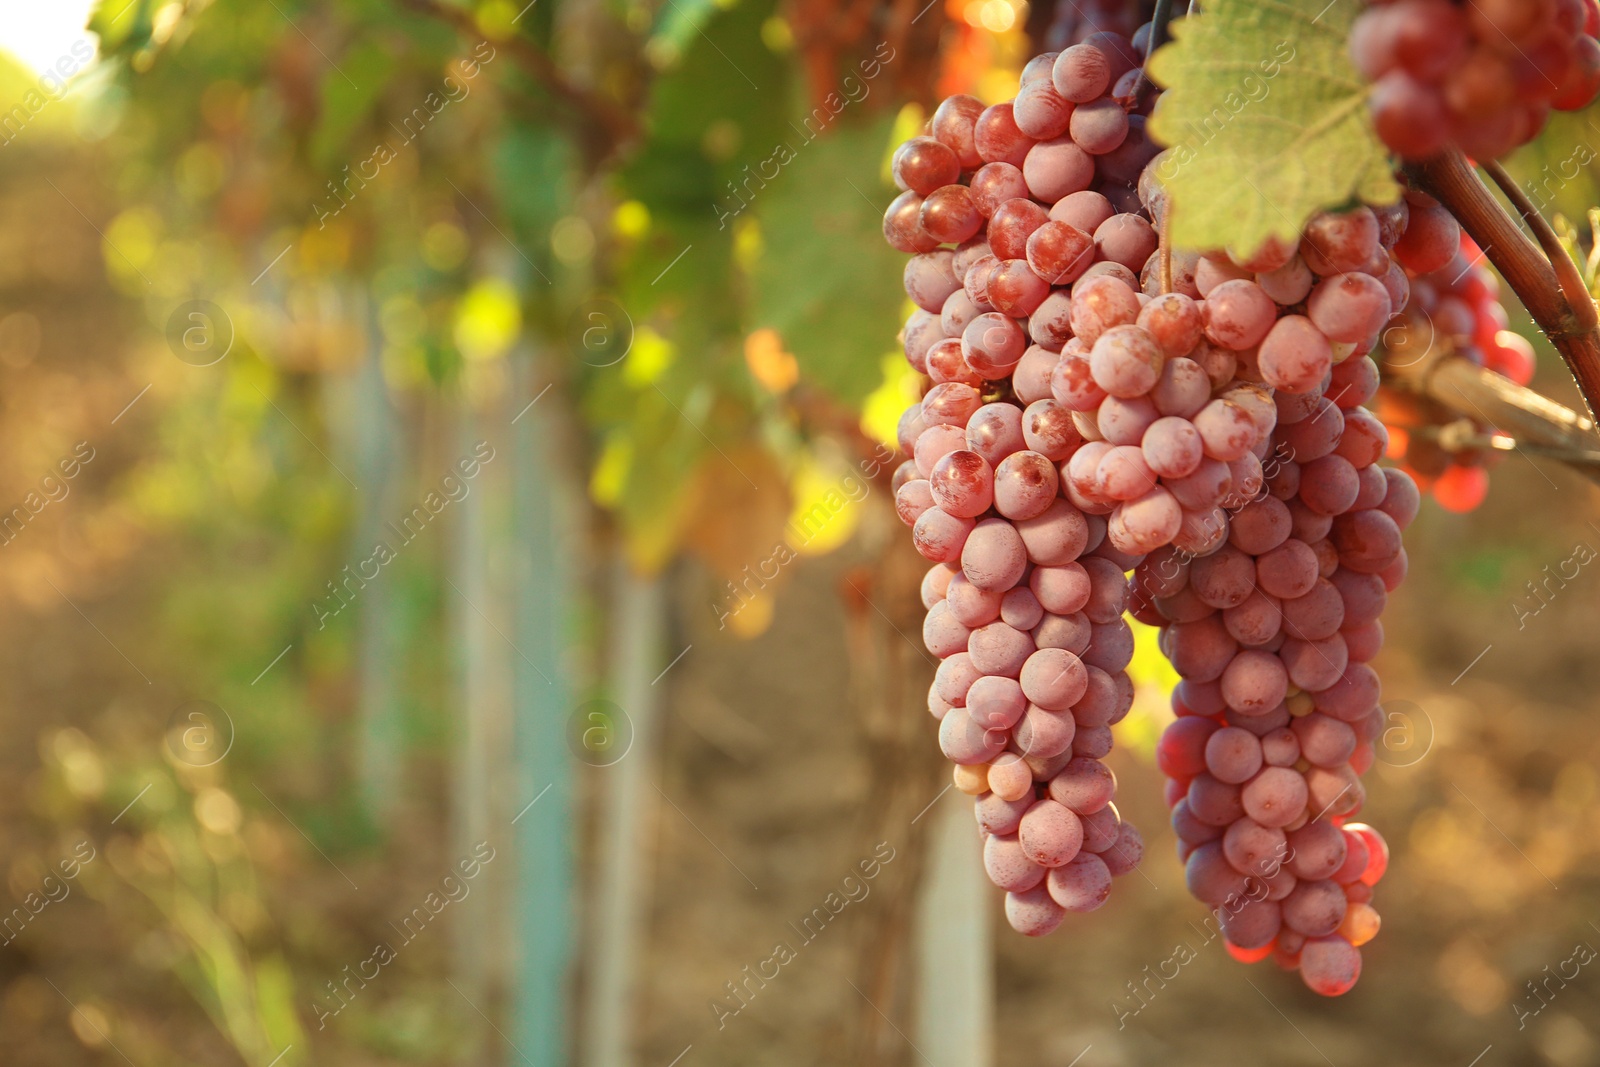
x=454 y=614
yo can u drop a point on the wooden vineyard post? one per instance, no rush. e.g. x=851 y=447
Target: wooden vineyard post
x=543 y=502
x=624 y=755
x=955 y=951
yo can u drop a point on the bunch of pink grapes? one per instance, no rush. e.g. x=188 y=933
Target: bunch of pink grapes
x=1094 y=405
x=1272 y=619
x=1004 y=208
x=1278 y=710
x=1481 y=74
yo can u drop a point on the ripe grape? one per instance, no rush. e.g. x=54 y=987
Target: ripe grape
x=1056 y=168
x=997 y=137
x=1082 y=73
x=1083 y=884
x=902 y=225
x=949 y=215
x=1081 y=423
x=1025 y=484
x=1011 y=224
x=1238 y=314
x=993 y=556
x=1059 y=252
x=1099 y=126
x=930 y=279
x=1085 y=209
x=1350 y=308
x=1040 y=112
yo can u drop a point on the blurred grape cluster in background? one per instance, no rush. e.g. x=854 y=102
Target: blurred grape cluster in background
x=456 y=613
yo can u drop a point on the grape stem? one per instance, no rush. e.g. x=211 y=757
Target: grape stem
x=601 y=125
x=1160 y=33
x=1529 y=270
x=1567 y=272
x=1464 y=440
x=1166 y=252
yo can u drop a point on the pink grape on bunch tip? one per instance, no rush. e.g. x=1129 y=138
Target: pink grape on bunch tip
x=1482 y=75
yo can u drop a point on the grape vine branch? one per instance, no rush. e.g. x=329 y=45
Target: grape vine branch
x=1537 y=424
x=1563 y=311
x=603 y=127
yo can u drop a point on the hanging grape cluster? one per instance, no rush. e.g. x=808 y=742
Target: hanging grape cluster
x=1028 y=589
x=1110 y=426
x=1480 y=74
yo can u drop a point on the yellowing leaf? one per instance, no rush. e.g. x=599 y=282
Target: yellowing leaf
x=747 y=244
x=1266 y=120
x=881 y=411
x=775 y=369
x=497 y=20
x=611 y=471
x=649 y=357
x=131 y=239
x=488 y=319
x=750 y=617
x=825 y=512
x=631 y=220
x=1153 y=681
x=734 y=515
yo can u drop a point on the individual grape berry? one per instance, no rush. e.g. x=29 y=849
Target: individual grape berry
x=924 y=164
x=997 y=137
x=1126 y=361
x=1040 y=112
x=994 y=557
x=994 y=184
x=1098 y=127
x=949 y=215
x=1085 y=209
x=1057 y=168
x=1059 y=252
x=1025 y=484
x=929 y=279
x=1083 y=884
x=953 y=125
x=1238 y=314
x=1349 y=308
x=1295 y=355
x=1127 y=239
x=1011 y=224
x=1082 y=73
x=992 y=344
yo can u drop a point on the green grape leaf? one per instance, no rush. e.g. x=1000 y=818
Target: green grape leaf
x=349 y=94
x=1266 y=121
x=825 y=279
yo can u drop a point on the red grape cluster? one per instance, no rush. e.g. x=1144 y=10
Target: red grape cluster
x=1482 y=74
x=1455 y=309
x=1026 y=597
x=1278 y=710
x=1093 y=405
x=1271 y=614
